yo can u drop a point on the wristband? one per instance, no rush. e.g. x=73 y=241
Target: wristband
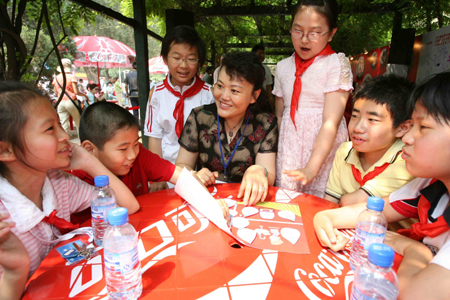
x=265 y=170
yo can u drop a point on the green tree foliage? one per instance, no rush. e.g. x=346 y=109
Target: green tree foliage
x=26 y=42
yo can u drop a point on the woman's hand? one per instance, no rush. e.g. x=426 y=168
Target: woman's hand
x=306 y=175
x=206 y=176
x=254 y=185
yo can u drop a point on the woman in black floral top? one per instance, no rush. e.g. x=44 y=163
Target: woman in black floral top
x=248 y=131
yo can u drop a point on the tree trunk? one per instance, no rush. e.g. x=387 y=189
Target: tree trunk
x=91 y=74
x=107 y=75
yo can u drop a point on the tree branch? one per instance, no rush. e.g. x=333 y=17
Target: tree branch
x=19 y=17
x=33 y=50
x=55 y=47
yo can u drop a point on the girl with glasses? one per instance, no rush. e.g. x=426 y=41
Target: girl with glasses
x=311 y=88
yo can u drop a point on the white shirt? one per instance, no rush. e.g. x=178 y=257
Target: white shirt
x=440 y=243
x=159 y=120
x=62 y=192
x=268 y=79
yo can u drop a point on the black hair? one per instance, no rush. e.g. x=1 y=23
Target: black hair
x=327 y=8
x=15 y=98
x=184 y=35
x=434 y=95
x=390 y=90
x=258 y=47
x=209 y=69
x=91 y=86
x=80 y=80
x=134 y=65
x=246 y=65
x=101 y=121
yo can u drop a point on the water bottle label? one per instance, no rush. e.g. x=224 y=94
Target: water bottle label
x=358 y=295
x=368 y=238
x=122 y=263
x=100 y=213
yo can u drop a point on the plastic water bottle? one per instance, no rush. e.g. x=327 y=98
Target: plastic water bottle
x=370 y=228
x=103 y=200
x=122 y=267
x=375 y=278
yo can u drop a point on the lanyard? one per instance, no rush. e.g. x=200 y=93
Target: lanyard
x=235 y=148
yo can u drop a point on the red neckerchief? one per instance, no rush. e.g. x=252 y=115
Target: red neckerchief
x=178 y=113
x=301 y=67
x=59 y=223
x=422 y=228
x=371 y=175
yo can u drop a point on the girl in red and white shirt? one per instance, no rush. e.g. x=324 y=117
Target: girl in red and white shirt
x=33 y=189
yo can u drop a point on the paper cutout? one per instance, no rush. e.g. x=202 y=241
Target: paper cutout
x=286 y=214
x=262 y=232
x=240 y=222
x=249 y=211
x=233 y=213
x=290 y=234
x=193 y=192
x=230 y=202
x=247 y=235
x=275 y=237
x=267 y=213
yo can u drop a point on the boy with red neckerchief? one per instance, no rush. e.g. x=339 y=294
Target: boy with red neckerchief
x=424 y=272
x=371 y=164
x=171 y=101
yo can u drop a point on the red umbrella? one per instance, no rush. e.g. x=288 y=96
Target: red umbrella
x=156 y=65
x=102 y=52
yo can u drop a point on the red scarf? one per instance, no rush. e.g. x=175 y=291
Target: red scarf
x=301 y=67
x=59 y=223
x=422 y=228
x=178 y=113
x=371 y=175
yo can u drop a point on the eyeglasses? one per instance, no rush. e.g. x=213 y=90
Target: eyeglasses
x=312 y=36
x=179 y=60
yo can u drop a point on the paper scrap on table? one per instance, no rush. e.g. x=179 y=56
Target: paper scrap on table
x=196 y=195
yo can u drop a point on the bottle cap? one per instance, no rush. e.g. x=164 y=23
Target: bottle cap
x=375 y=203
x=101 y=180
x=118 y=216
x=381 y=255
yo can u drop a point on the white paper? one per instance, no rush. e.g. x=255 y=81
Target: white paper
x=197 y=196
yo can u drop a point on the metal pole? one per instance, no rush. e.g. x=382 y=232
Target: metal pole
x=140 y=37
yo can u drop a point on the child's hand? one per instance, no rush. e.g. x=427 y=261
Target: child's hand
x=157 y=186
x=254 y=185
x=206 y=176
x=304 y=174
x=327 y=235
x=400 y=242
x=78 y=157
x=226 y=212
x=14 y=257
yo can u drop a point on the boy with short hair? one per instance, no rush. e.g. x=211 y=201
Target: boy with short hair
x=111 y=134
x=371 y=164
x=171 y=101
x=426 y=153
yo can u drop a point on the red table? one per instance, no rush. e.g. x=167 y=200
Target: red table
x=195 y=260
